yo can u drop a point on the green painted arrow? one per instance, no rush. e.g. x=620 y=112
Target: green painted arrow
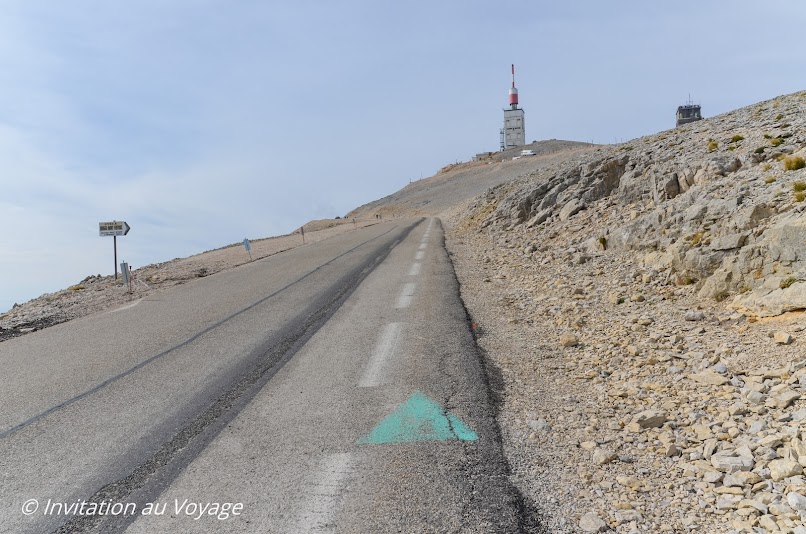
x=418 y=419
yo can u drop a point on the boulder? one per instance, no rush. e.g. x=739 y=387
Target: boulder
x=729 y=242
x=632 y=187
x=672 y=187
x=717 y=286
x=782 y=338
x=591 y=522
x=603 y=456
x=751 y=216
x=763 y=302
x=571 y=208
x=650 y=418
x=796 y=501
x=540 y=218
x=710 y=378
x=781 y=469
x=728 y=462
x=568 y=340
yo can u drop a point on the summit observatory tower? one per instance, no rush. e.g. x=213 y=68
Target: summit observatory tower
x=513 y=134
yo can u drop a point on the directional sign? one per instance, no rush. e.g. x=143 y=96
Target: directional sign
x=419 y=419
x=247 y=245
x=113 y=228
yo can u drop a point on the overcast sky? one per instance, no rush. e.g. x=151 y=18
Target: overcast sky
x=202 y=122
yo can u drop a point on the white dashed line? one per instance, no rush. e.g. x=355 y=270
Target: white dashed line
x=384 y=350
x=404 y=301
x=124 y=307
x=420 y=255
x=415 y=268
x=325 y=495
x=423 y=246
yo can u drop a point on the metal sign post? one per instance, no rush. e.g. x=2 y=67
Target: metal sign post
x=248 y=247
x=114 y=229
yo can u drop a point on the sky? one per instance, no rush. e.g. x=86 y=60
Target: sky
x=202 y=122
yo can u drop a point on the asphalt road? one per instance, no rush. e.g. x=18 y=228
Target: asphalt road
x=335 y=387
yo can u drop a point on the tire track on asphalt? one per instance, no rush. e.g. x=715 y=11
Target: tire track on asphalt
x=111 y=380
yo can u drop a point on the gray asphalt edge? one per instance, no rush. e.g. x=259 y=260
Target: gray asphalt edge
x=528 y=516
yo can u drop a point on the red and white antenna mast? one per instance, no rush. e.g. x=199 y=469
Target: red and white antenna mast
x=513 y=92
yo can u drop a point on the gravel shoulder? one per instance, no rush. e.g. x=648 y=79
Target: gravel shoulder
x=584 y=351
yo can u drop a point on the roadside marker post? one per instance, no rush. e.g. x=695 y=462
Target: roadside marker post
x=114 y=229
x=128 y=276
x=302 y=231
x=248 y=247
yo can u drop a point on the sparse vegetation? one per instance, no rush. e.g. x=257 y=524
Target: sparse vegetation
x=736 y=138
x=767 y=136
x=767 y=167
x=760 y=150
x=769 y=179
x=799 y=186
x=696 y=239
x=787 y=282
x=744 y=289
x=793 y=163
x=603 y=242
x=776 y=141
x=779 y=116
x=800 y=196
x=722 y=295
x=732 y=147
x=712 y=145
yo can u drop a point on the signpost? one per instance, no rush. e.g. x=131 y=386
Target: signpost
x=114 y=229
x=248 y=247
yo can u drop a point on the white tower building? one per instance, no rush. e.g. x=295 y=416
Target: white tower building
x=513 y=134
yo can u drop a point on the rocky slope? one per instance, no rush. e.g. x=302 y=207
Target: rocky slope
x=718 y=203
x=642 y=305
